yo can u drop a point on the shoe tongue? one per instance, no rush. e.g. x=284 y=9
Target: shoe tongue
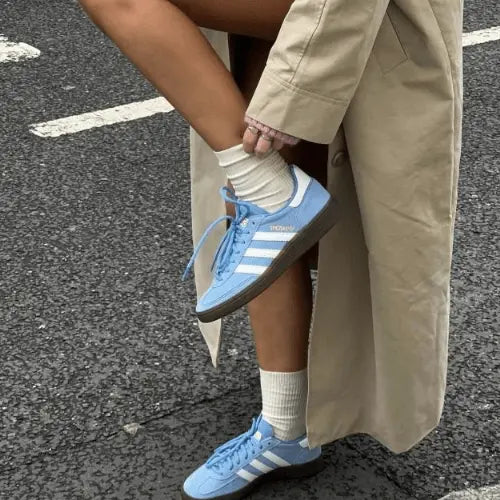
x=264 y=430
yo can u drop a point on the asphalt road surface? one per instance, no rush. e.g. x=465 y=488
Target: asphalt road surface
x=106 y=387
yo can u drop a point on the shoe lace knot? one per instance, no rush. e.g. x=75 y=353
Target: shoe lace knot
x=232 y=453
x=235 y=233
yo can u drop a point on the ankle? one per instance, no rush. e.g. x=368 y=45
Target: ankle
x=284 y=398
x=267 y=182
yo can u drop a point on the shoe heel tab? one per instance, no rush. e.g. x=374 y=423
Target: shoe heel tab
x=297 y=170
x=304 y=443
x=302 y=182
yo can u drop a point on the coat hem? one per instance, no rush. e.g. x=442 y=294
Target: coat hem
x=316 y=439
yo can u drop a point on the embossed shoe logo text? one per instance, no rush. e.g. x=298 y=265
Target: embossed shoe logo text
x=282 y=228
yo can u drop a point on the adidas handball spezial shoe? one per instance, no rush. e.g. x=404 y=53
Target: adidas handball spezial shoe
x=240 y=465
x=259 y=246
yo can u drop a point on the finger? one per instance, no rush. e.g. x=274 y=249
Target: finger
x=250 y=140
x=263 y=146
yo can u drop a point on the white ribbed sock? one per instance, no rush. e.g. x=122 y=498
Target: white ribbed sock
x=266 y=181
x=284 y=398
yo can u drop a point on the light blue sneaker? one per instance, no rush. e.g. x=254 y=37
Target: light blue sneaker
x=240 y=465
x=259 y=246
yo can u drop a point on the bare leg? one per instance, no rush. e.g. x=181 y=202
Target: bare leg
x=162 y=39
x=281 y=315
x=156 y=35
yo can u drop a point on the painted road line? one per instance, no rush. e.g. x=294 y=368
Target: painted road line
x=481 y=36
x=13 y=52
x=86 y=121
x=486 y=493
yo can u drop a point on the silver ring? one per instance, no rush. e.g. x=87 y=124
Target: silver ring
x=267 y=138
x=253 y=129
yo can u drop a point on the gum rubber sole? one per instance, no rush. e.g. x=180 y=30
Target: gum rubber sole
x=291 y=472
x=292 y=251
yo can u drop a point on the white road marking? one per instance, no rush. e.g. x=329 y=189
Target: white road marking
x=142 y=109
x=481 y=36
x=13 y=52
x=487 y=493
x=86 y=121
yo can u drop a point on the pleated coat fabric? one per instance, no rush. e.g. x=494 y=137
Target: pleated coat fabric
x=380 y=82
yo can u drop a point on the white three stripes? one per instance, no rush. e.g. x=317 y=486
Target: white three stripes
x=272 y=236
x=249 y=269
x=261 y=252
x=275 y=459
x=268 y=253
x=257 y=464
x=260 y=466
x=248 y=476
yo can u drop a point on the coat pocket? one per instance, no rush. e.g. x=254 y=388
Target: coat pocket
x=388 y=49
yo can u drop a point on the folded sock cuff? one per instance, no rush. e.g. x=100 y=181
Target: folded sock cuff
x=231 y=155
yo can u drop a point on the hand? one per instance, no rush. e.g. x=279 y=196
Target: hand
x=259 y=138
x=259 y=143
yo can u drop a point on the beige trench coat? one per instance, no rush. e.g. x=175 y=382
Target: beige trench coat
x=381 y=82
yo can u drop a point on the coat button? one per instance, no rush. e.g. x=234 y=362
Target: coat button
x=338 y=159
